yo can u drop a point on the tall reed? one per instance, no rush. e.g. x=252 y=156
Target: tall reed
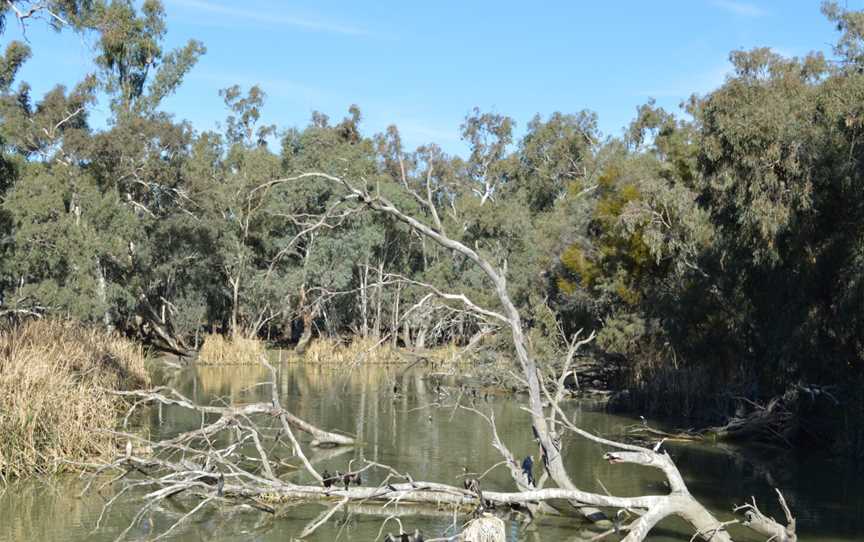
x=220 y=350
x=56 y=404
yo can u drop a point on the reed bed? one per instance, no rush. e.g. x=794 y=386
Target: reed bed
x=356 y=351
x=56 y=403
x=372 y=352
x=221 y=350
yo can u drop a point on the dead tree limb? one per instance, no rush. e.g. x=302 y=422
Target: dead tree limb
x=768 y=526
x=170 y=396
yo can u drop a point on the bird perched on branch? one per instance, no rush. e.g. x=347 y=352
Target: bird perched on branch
x=528 y=469
x=351 y=477
x=473 y=485
x=220 y=485
x=543 y=454
x=327 y=479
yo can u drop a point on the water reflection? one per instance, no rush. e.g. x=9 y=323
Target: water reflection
x=403 y=430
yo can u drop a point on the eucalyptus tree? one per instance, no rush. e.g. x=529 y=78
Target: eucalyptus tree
x=86 y=203
x=783 y=192
x=488 y=135
x=57 y=13
x=341 y=270
x=236 y=215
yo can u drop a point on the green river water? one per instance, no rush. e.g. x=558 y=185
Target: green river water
x=434 y=444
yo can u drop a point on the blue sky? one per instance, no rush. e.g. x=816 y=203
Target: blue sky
x=424 y=65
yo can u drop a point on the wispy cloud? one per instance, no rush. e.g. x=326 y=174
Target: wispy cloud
x=698 y=83
x=743 y=9
x=271 y=17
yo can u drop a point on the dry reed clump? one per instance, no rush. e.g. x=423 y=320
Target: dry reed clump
x=359 y=350
x=55 y=393
x=219 y=350
x=374 y=352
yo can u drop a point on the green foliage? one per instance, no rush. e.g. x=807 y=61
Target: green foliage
x=553 y=157
x=16 y=54
x=131 y=47
x=57 y=13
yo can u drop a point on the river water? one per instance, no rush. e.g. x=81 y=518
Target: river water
x=435 y=444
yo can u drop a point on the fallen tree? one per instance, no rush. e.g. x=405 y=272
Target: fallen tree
x=243 y=473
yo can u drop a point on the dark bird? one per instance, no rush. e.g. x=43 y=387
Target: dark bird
x=473 y=485
x=528 y=469
x=350 y=478
x=404 y=537
x=220 y=486
x=544 y=456
x=208 y=479
x=327 y=480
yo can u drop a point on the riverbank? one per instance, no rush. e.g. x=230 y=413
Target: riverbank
x=56 y=404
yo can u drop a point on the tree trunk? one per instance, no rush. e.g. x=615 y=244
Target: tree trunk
x=364 y=301
x=420 y=341
x=306 y=336
x=102 y=289
x=394 y=323
x=235 y=306
x=379 y=300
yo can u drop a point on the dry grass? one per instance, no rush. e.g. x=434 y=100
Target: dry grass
x=219 y=350
x=369 y=351
x=55 y=400
x=359 y=350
